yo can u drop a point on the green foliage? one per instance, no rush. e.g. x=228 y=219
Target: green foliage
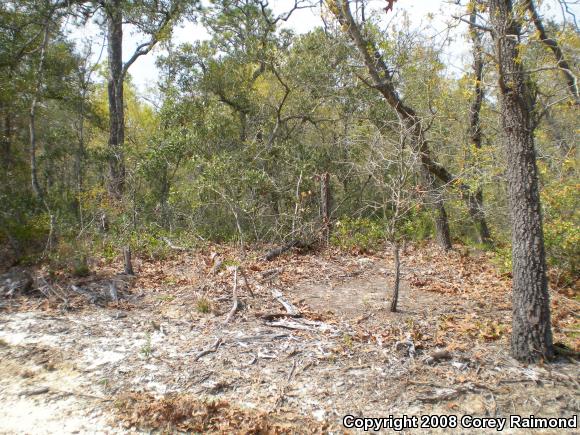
x=562 y=225
x=503 y=258
x=242 y=127
x=360 y=234
x=80 y=267
x=417 y=226
x=203 y=305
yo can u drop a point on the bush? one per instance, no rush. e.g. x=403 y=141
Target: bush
x=562 y=225
x=360 y=234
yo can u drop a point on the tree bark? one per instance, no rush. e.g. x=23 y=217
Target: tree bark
x=397 y=282
x=553 y=45
x=531 y=338
x=325 y=200
x=475 y=199
x=115 y=95
x=127 y=260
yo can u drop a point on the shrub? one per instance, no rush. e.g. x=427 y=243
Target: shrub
x=360 y=234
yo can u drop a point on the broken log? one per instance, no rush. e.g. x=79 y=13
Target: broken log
x=276 y=252
x=128 y=264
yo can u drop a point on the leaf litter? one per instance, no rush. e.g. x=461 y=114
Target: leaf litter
x=311 y=341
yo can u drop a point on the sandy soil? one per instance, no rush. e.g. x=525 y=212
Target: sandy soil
x=68 y=371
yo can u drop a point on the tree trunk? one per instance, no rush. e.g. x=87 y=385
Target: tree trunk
x=383 y=82
x=127 y=260
x=475 y=200
x=115 y=94
x=325 y=198
x=397 y=282
x=32 y=114
x=7 y=139
x=553 y=45
x=531 y=330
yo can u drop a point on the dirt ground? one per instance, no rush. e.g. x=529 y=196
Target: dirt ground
x=68 y=365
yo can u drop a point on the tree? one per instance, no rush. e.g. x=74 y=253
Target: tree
x=154 y=18
x=382 y=80
x=475 y=199
x=553 y=45
x=531 y=328
x=393 y=166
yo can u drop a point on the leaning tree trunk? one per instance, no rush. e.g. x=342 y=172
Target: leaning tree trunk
x=115 y=94
x=553 y=45
x=531 y=329
x=382 y=79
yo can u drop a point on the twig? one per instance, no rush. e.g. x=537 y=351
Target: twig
x=172 y=246
x=35 y=391
x=212 y=349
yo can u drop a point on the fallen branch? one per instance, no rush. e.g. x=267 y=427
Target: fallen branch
x=273 y=316
x=172 y=246
x=35 y=391
x=276 y=252
x=212 y=349
x=264 y=337
x=235 y=305
x=290 y=309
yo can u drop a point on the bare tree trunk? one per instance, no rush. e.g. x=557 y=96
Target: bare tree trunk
x=128 y=263
x=475 y=200
x=325 y=199
x=115 y=94
x=442 y=232
x=531 y=329
x=397 y=282
x=382 y=81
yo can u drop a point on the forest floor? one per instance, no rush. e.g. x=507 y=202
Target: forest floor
x=74 y=362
